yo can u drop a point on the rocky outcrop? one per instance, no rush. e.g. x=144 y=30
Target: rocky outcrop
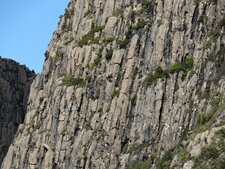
x=123 y=83
x=15 y=81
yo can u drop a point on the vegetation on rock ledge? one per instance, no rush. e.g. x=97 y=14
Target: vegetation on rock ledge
x=160 y=73
x=71 y=81
x=90 y=38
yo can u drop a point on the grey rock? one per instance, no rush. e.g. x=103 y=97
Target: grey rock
x=108 y=117
x=15 y=81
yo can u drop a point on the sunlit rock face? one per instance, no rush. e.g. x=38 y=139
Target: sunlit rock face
x=124 y=82
x=15 y=81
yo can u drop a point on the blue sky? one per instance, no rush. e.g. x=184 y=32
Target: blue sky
x=26 y=29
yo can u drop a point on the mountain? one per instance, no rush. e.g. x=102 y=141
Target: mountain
x=15 y=81
x=128 y=84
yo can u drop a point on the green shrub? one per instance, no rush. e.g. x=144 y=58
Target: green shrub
x=147 y=164
x=38 y=125
x=152 y=77
x=133 y=16
x=98 y=59
x=166 y=158
x=213 y=154
x=67 y=14
x=118 y=13
x=208 y=45
x=139 y=147
x=109 y=54
x=141 y=24
x=97 y=29
x=215 y=101
x=203 y=119
x=20 y=131
x=146 y=4
x=108 y=40
x=41 y=100
x=220 y=108
x=203 y=18
x=214 y=34
x=89 y=38
x=134 y=100
x=118 y=79
x=41 y=87
x=141 y=165
x=220 y=72
x=160 y=73
x=92 y=66
x=123 y=43
x=208 y=153
x=64 y=132
x=32 y=144
x=218 y=163
x=180 y=150
x=87 y=13
x=222 y=22
x=159 y=22
x=88 y=125
x=186 y=66
x=177 y=67
x=129 y=32
x=116 y=93
x=135 y=165
x=68 y=41
x=221 y=133
x=71 y=81
x=197 y=2
x=189 y=63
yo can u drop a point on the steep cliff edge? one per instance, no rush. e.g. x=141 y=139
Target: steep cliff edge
x=15 y=81
x=125 y=82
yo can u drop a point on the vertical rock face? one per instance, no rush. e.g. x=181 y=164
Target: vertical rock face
x=15 y=81
x=123 y=82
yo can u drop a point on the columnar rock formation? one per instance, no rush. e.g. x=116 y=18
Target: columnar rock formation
x=123 y=82
x=15 y=81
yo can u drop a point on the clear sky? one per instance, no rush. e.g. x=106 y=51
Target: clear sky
x=26 y=28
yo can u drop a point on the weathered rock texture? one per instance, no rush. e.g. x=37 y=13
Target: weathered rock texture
x=98 y=103
x=15 y=81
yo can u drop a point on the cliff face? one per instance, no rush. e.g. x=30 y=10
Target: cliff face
x=125 y=81
x=15 y=81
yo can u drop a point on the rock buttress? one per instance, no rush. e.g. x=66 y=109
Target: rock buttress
x=15 y=81
x=123 y=82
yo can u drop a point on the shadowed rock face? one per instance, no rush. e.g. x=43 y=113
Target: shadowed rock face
x=15 y=81
x=123 y=82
